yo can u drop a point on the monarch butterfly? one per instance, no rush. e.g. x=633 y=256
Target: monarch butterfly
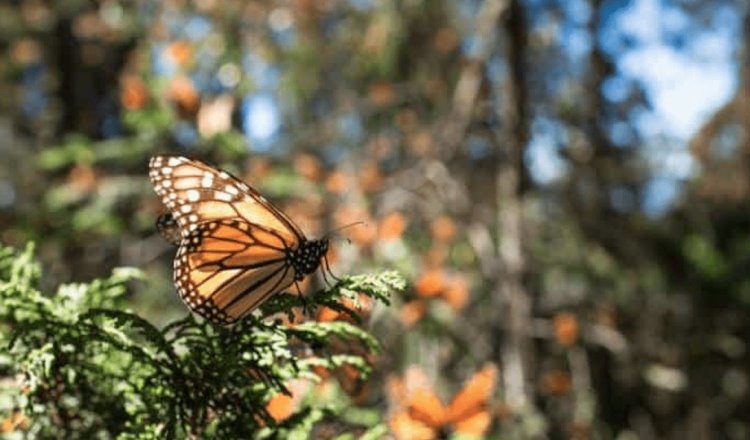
x=236 y=249
x=420 y=414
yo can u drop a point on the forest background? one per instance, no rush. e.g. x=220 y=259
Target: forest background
x=565 y=184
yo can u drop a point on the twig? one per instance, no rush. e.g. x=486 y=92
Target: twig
x=470 y=79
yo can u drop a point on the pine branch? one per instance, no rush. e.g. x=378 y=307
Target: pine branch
x=90 y=368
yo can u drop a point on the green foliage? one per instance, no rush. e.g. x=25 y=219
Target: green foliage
x=90 y=369
x=704 y=256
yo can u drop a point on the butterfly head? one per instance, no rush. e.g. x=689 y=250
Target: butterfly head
x=307 y=257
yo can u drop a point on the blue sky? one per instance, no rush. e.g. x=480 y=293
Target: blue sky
x=686 y=72
x=685 y=86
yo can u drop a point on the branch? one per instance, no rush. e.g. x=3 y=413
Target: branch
x=470 y=79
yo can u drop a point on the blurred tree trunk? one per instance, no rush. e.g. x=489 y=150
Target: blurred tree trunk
x=65 y=52
x=606 y=179
x=511 y=304
x=511 y=296
x=468 y=86
x=744 y=91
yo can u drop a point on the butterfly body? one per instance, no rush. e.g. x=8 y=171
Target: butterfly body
x=236 y=249
x=307 y=257
x=169 y=229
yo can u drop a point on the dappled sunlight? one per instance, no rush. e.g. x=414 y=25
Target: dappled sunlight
x=375 y=219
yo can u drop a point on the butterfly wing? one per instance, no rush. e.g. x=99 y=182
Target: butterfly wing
x=474 y=426
x=426 y=407
x=225 y=269
x=406 y=428
x=196 y=193
x=468 y=411
x=418 y=412
x=234 y=243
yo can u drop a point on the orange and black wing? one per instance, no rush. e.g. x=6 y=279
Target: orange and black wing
x=469 y=410
x=196 y=193
x=234 y=244
x=405 y=427
x=422 y=418
x=224 y=269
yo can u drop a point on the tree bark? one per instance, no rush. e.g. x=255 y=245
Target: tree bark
x=511 y=295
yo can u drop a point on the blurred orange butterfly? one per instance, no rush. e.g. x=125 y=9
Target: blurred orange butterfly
x=236 y=249
x=421 y=415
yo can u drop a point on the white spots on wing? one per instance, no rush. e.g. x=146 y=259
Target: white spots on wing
x=224 y=197
x=207 y=181
x=184 y=184
x=193 y=195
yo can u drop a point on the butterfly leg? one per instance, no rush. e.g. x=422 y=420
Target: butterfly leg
x=330 y=272
x=325 y=277
x=302 y=299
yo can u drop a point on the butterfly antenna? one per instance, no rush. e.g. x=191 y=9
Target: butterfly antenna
x=333 y=231
x=326 y=269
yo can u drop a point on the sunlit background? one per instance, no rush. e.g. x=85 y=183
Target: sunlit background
x=564 y=183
